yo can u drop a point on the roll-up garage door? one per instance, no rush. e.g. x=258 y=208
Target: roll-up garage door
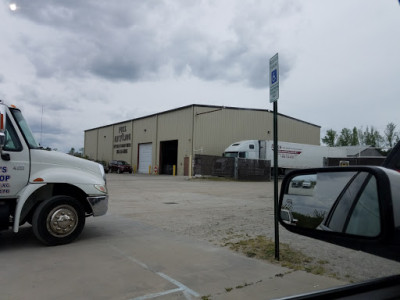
x=145 y=155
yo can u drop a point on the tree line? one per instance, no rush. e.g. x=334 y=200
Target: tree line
x=358 y=136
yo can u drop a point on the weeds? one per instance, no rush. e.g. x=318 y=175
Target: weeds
x=262 y=248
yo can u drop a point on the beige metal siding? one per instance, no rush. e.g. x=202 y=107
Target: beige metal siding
x=291 y=130
x=176 y=125
x=90 y=144
x=105 y=144
x=214 y=130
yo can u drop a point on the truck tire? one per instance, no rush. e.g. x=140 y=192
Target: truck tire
x=58 y=220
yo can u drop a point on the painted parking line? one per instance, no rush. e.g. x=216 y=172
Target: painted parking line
x=155 y=295
x=187 y=292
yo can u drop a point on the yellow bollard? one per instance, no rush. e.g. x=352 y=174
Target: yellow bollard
x=150 y=169
x=174 y=170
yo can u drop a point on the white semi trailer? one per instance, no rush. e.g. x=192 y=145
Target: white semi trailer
x=290 y=155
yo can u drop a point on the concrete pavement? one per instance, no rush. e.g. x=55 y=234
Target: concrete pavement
x=118 y=258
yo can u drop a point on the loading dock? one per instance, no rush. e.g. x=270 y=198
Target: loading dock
x=168 y=157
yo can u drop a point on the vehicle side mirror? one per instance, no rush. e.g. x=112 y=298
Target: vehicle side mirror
x=2 y=125
x=355 y=207
x=2 y=139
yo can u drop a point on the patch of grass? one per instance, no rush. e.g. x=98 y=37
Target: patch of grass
x=212 y=178
x=240 y=286
x=244 y=285
x=228 y=289
x=262 y=248
x=206 y=297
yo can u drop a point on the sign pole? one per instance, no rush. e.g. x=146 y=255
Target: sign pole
x=276 y=180
x=273 y=97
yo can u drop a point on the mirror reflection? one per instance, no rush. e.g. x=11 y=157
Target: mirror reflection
x=344 y=202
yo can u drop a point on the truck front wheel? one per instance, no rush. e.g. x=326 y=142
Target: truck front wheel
x=58 y=220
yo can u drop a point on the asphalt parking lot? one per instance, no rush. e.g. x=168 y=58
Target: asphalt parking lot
x=160 y=240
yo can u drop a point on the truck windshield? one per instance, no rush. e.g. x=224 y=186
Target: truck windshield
x=26 y=131
x=231 y=154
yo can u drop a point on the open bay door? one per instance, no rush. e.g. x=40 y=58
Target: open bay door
x=145 y=157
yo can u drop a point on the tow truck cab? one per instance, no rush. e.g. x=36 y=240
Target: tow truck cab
x=53 y=191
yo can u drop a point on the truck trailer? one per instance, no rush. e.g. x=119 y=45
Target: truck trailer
x=290 y=155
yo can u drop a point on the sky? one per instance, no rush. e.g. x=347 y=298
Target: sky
x=75 y=65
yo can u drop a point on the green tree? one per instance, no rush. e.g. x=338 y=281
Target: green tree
x=330 y=138
x=345 y=137
x=354 y=137
x=372 y=137
x=71 y=151
x=390 y=135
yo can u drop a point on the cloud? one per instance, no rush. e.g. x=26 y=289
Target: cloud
x=137 y=41
x=94 y=62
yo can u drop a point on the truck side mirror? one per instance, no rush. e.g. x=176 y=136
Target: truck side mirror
x=2 y=125
x=355 y=207
x=2 y=139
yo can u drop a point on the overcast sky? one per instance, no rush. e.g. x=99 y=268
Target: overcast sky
x=79 y=64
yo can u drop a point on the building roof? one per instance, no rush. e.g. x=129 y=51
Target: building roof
x=202 y=105
x=360 y=150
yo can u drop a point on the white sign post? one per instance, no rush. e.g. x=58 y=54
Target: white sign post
x=274 y=79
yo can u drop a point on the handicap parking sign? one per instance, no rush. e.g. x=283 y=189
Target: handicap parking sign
x=274 y=76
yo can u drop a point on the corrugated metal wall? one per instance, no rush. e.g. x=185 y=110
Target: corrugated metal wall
x=217 y=129
x=90 y=143
x=105 y=143
x=176 y=125
x=214 y=130
x=295 y=131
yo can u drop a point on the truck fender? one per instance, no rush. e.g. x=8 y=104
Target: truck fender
x=23 y=195
x=66 y=175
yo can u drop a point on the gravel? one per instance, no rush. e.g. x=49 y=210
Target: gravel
x=221 y=211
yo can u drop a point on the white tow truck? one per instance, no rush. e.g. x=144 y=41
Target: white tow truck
x=52 y=191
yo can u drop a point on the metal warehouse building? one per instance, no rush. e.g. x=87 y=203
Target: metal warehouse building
x=172 y=138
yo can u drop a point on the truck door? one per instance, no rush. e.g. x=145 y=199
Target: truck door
x=14 y=162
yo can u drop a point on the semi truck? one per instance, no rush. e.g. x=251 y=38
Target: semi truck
x=290 y=155
x=52 y=191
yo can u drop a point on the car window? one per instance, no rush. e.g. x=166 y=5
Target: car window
x=338 y=215
x=365 y=219
x=12 y=142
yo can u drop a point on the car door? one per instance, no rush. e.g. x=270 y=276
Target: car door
x=14 y=162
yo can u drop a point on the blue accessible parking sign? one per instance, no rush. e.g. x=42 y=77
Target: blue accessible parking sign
x=274 y=78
